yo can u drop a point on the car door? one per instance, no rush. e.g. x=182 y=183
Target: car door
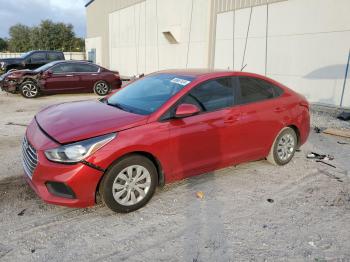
x=262 y=116
x=36 y=60
x=63 y=78
x=206 y=141
x=89 y=74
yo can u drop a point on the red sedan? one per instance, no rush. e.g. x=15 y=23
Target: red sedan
x=61 y=77
x=164 y=127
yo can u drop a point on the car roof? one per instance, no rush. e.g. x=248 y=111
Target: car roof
x=73 y=61
x=206 y=72
x=194 y=72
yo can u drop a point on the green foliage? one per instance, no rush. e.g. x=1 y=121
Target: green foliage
x=3 y=44
x=46 y=36
x=19 y=38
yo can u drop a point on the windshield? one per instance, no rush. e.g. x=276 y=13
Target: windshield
x=146 y=95
x=24 y=55
x=45 y=67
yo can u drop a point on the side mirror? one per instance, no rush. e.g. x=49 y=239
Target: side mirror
x=185 y=110
x=47 y=73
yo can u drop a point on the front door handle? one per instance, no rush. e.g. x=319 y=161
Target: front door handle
x=69 y=75
x=231 y=119
x=278 y=109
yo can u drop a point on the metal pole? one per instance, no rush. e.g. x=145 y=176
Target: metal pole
x=346 y=76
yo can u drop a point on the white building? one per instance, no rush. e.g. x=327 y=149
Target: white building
x=304 y=44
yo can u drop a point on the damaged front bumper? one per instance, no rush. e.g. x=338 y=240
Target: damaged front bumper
x=8 y=85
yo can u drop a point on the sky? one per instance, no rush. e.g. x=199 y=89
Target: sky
x=31 y=12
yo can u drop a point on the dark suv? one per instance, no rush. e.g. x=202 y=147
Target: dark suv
x=30 y=60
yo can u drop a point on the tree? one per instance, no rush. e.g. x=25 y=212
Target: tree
x=19 y=38
x=46 y=36
x=3 y=44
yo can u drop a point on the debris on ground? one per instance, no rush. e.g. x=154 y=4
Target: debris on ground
x=15 y=124
x=318 y=156
x=342 y=143
x=200 y=194
x=22 y=212
x=338 y=132
x=317 y=129
x=311 y=243
x=321 y=161
x=270 y=200
x=345 y=116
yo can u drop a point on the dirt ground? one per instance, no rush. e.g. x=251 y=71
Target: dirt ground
x=251 y=212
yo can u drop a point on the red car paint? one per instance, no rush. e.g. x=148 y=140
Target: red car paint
x=182 y=147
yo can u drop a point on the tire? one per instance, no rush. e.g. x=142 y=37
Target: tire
x=29 y=89
x=118 y=191
x=283 y=148
x=101 y=88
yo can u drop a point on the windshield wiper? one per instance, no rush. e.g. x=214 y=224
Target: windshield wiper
x=119 y=106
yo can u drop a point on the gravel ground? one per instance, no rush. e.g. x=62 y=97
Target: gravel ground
x=251 y=212
x=324 y=117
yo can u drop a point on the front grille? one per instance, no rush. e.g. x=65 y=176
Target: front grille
x=29 y=157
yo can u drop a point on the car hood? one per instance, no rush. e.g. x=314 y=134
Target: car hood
x=19 y=73
x=75 y=121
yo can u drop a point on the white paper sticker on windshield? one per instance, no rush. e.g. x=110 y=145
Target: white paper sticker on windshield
x=180 y=81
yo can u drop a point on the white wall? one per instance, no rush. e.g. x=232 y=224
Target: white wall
x=137 y=44
x=307 y=46
x=94 y=43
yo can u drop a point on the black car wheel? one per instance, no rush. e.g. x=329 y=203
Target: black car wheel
x=29 y=89
x=129 y=184
x=101 y=88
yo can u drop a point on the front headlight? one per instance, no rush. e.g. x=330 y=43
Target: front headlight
x=2 y=65
x=75 y=152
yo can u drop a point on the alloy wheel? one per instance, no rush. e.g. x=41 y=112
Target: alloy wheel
x=29 y=90
x=285 y=147
x=101 y=88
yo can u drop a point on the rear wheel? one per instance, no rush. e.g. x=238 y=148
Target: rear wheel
x=283 y=148
x=129 y=184
x=29 y=89
x=101 y=88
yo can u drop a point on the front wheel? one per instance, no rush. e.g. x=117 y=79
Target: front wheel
x=129 y=184
x=101 y=88
x=283 y=148
x=29 y=89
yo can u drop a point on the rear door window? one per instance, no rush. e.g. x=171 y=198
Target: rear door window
x=54 y=56
x=254 y=90
x=85 y=68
